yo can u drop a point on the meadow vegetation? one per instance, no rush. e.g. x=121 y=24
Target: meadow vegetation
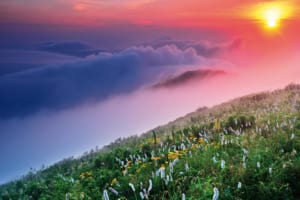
x=247 y=148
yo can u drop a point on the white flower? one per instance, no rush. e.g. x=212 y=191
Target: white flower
x=270 y=170
x=142 y=195
x=162 y=173
x=145 y=193
x=171 y=178
x=222 y=164
x=171 y=167
x=292 y=136
x=294 y=152
x=239 y=185
x=132 y=187
x=150 y=185
x=216 y=194
x=67 y=196
x=183 y=196
x=244 y=165
x=258 y=164
x=186 y=167
x=175 y=161
x=284 y=165
x=182 y=146
x=141 y=185
x=214 y=159
x=113 y=191
x=105 y=195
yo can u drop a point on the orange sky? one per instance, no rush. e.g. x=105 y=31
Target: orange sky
x=155 y=12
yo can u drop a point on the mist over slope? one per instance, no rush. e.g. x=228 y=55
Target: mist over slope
x=246 y=148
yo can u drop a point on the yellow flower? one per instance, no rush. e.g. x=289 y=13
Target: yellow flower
x=201 y=140
x=82 y=175
x=113 y=181
x=155 y=158
x=162 y=167
x=89 y=174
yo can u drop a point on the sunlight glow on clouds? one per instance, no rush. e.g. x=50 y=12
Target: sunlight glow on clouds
x=80 y=73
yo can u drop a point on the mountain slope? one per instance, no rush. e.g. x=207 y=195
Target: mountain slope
x=247 y=148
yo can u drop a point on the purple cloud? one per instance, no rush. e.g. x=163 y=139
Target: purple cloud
x=94 y=79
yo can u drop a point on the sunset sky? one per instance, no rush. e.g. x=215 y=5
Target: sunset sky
x=76 y=74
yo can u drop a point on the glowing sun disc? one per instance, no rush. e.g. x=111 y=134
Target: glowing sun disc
x=271 y=23
x=272 y=16
x=270 y=13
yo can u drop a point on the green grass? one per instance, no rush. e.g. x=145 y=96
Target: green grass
x=272 y=147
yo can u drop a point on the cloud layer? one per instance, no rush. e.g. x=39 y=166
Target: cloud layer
x=72 y=48
x=93 y=79
x=203 y=48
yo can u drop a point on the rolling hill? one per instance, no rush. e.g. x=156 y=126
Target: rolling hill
x=247 y=148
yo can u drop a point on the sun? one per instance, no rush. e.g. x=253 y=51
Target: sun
x=273 y=16
x=270 y=14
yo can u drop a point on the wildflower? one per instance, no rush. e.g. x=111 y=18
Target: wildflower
x=284 y=165
x=258 y=164
x=216 y=194
x=171 y=167
x=105 y=195
x=186 y=167
x=182 y=146
x=142 y=195
x=222 y=164
x=82 y=195
x=292 y=136
x=166 y=181
x=67 y=196
x=82 y=175
x=132 y=187
x=183 y=196
x=150 y=185
x=113 y=191
x=245 y=151
x=145 y=193
x=162 y=172
x=171 y=178
x=270 y=170
x=294 y=152
x=201 y=141
x=175 y=161
x=239 y=185
x=167 y=178
x=244 y=158
x=141 y=185
x=113 y=181
x=214 y=159
x=244 y=165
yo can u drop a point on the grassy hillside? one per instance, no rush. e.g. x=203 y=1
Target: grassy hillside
x=247 y=148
